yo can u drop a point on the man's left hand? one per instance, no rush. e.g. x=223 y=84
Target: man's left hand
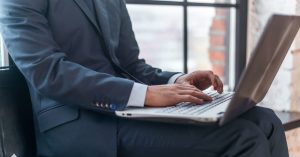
x=202 y=80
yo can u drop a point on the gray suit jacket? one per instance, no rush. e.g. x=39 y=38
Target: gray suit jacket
x=70 y=60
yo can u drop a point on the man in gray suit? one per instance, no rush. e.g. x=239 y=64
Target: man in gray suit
x=80 y=59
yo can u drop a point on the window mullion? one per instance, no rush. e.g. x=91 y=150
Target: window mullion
x=185 y=37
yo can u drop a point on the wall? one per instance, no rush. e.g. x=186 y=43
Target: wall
x=284 y=94
x=279 y=96
x=217 y=49
x=295 y=106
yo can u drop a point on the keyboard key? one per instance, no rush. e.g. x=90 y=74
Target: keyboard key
x=187 y=108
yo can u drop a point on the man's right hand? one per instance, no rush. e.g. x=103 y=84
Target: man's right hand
x=168 y=95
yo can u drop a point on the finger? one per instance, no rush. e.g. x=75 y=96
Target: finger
x=212 y=78
x=192 y=99
x=204 y=84
x=187 y=87
x=196 y=93
x=220 y=84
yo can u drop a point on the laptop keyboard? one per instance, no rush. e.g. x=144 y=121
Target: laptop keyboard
x=193 y=109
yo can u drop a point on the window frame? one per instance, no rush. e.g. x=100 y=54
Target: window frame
x=241 y=7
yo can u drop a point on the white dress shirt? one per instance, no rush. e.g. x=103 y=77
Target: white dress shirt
x=138 y=92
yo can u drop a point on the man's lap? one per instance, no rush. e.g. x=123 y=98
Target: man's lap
x=148 y=137
x=140 y=138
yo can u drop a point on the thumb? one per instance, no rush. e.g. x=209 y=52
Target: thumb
x=187 y=83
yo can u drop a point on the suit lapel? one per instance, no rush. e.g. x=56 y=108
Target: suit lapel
x=102 y=25
x=85 y=9
x=103 y=28
x=103 y=21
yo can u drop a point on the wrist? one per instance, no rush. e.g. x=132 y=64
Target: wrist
x=148 y=96
x=180 y=79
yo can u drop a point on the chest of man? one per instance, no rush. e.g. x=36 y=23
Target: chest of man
x=86 y=34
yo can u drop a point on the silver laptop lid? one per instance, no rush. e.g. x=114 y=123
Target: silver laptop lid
x=264 y=64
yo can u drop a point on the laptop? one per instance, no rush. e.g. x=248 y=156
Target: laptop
x=254 y=84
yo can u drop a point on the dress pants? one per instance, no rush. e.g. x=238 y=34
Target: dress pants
x=257 y=133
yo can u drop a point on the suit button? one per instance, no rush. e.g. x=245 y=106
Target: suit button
x=112 y=106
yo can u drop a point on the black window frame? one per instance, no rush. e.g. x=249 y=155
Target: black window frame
x=241 y=7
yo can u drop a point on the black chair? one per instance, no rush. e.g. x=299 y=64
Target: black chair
x=16 y=122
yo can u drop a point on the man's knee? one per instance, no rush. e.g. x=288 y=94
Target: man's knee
x=263 y=116
x=266 y=120
x=270 y=114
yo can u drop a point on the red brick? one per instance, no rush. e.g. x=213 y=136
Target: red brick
x=218 y=70
x=218 y=24
x=217 y=40
x=219 y=56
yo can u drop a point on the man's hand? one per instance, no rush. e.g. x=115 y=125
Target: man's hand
x=187 y=88
x=168 y=95
x=202 y=80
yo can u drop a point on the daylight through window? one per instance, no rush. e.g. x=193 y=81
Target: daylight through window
x=187 y=35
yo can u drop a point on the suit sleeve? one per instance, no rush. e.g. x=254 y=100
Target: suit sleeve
x=128 y=52
x=46 y=67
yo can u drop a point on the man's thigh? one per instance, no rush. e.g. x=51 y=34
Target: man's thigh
x=92 y=135
x=264 y=118
x=148 y=139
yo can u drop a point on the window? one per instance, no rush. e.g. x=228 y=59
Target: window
x=3 y=55
x=159 y=32
x=189 y=35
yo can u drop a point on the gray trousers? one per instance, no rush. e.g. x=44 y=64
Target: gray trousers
x=258 y=133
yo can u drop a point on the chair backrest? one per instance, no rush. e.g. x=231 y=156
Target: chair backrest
x=16 y=122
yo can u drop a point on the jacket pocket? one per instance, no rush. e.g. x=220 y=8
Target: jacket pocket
x=57 y=116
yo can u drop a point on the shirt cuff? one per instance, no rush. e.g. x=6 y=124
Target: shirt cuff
x=174 y=78
x=137 y=95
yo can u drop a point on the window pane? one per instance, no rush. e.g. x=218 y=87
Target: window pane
x=159 y=32
x=204 y=1
x=214 y=1
x=170 y=0
x=211 y=40
x=3 y=54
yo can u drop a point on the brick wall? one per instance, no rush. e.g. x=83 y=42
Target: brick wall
x=295 y=86
x=217 y=50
